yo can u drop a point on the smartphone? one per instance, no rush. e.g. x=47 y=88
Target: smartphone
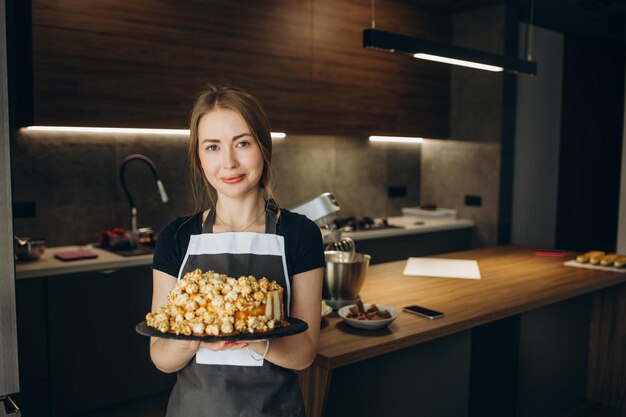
x=424 y=312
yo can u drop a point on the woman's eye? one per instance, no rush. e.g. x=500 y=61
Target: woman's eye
x=243 y=144
x=211 y=148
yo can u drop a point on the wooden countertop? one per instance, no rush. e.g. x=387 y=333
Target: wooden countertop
x=513 y=281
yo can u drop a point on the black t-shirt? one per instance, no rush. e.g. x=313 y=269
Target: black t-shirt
x=303 y=243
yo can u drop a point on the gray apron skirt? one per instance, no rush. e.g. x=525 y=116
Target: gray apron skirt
x=231 y=383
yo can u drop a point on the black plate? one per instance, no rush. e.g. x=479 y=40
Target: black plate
x=295 y=326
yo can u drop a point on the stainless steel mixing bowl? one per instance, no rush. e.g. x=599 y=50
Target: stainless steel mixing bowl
x=344 y=274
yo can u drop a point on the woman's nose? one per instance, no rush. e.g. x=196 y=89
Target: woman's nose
x=230 y=160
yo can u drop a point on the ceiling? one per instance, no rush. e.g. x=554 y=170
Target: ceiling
x=601 y=19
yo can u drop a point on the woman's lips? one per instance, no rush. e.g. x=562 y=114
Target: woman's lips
x=234 y=179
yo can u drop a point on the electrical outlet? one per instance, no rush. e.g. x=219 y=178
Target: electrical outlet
x=473 y=200
x=394 y=192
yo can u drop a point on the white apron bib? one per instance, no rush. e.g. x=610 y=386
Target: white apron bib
x=237 y=254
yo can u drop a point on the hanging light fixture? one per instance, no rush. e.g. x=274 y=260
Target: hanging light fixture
x=450 y=54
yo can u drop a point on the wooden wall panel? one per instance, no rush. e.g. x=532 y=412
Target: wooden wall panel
x=109 y=64
x=372 y=91
x=140 y=63
x=265 y=49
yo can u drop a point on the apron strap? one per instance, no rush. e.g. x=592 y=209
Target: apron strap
x=271 y=218
x=207 y=227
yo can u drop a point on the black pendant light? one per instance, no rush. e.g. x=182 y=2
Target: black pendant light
x=450 y=54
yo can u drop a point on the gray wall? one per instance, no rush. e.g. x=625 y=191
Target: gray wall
x=453 y=169
x=476 y=96
x=73 y=178
x=470 y=164
x=9 y=378
x=537 y=136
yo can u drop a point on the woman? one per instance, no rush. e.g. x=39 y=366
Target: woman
x=239 y=231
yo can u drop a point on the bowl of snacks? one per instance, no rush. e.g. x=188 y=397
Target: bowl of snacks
x=368 y=316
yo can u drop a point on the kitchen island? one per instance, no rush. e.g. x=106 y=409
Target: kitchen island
x=488 y=335
x=514 y=282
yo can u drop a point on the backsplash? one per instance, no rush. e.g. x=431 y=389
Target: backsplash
x=74 y=179
x=453 y=169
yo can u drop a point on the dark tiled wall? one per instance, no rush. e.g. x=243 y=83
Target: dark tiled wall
x=453 y=169
x=74 y=180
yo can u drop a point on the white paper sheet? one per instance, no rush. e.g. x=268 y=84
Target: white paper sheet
x=446 y=268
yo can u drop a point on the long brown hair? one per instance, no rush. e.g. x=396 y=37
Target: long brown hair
x=231 y=98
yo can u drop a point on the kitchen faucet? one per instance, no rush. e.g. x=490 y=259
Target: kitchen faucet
x=133 y=209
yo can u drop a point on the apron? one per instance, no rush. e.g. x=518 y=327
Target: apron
x=231 y=383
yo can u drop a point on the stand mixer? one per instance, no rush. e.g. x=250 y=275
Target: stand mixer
x=345 y=270
x=323 y=210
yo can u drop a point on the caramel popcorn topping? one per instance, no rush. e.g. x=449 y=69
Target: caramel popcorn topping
x=213 y=304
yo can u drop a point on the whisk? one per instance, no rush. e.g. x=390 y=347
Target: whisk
x=344 y=244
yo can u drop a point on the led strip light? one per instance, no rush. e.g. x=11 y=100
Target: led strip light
x=395 y=139
x=80 y=129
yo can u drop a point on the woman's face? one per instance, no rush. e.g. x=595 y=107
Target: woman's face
x=230 y=156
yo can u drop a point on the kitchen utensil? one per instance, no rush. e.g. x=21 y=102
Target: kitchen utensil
x=368 y=324
x=344 y=277
x=145 y=236
x=28 y=249
x=133 y=208
x=343 y=245
x=322 y=209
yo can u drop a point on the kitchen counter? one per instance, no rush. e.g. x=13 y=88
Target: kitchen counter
x=513 y=281
x=48 y=265
x=409 y=226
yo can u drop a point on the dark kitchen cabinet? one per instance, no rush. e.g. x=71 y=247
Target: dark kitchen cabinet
x=140 y=64
x=87 y=354
x=32 y=344
x=96 y=357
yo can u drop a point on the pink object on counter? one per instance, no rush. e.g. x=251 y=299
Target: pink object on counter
x=74 y=255
x=550 y=252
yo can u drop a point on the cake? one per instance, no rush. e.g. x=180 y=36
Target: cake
x=214 y=304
